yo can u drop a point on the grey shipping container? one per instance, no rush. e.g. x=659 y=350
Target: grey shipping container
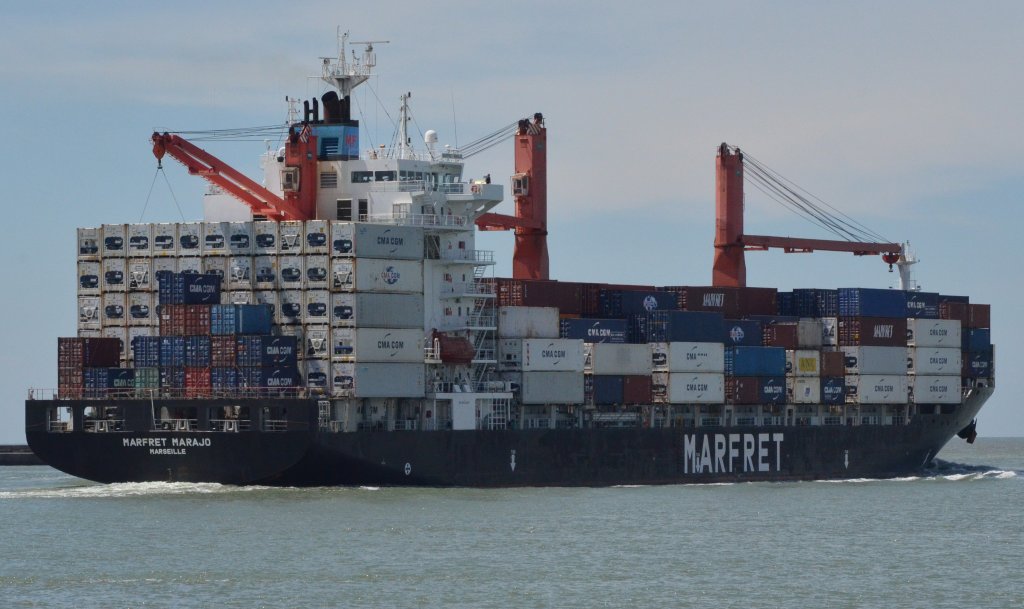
x=364 y=240
x=528 y=322
x=550 y=388
x=378 y=380
x=370 y=310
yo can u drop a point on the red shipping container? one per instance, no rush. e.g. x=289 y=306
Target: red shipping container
x=781 y=335
x=757 y=301
x=223 y=351
x=636 y=389
x=197 y=382
x=197 y=320
x=955 y=310
x=979 y=316
x=172 y=320
x=872 y=332
x=742 y=390
x=832 y=363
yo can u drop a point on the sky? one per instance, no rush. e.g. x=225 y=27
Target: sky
x=904 y=115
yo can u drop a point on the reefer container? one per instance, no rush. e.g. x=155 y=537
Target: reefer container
x=747 y=333
x=114 y=270
x=265 y=241
x=528 y=322
x=317 y=272
x=290 y=272
x=192 y=265
x=935 y=360
x=933 y=333
x=139 y=274
x=265 y=272
x=270 y=299
x=377 y=380
x=89 y=313
x=688 y=357
x=755 y=361
x=89 y=278
x=216 y=265
x=240 y=241
x=141 y=309
x=594 y=330
x=190 y=235
x=291 y=235
x=114 y=241
x=317 y=237
x=317 y=308
x=89 y=243
x=876 y=389
x=362 y=240
x=618 y=359
x=215 y=239
x=316 y=341
x=549 y=387
x=803 y=362
x=369 y=310
x=935 y=389
x=541 y=354
x=165 y=239
x=113 y=311
x=240 y=273
x=869 y=302
x=804 y=390
x=873 y=331
x=140 y=240
x=317 y=373
x=689 y=387
x=290 y=309
x=830 y=331
x=875 y=360
x=372 y=275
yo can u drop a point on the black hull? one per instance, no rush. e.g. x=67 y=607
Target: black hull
x=304 y=456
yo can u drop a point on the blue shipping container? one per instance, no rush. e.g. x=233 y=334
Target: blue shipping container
x=121 y=378
x=172 y=351
x=747 y=333
x=960 y=299
x=979 y=364
x=249 y=351
x=976 y=339
x=223 y=319
x=608 y=390
x=251 y=377
x=224 y=378
x=923 y=305
x=594 y=330
x=755 y=361
x=685 y=326
x=816 y=302
x=197 y=351
x=94 y=381
x=772 y=390
x=189 y=288
x=146 y=351
x=281 y=377
x=833 y=390
x=870 y=302
x=785 y=303
x=172 y=377
x=253 y=318
x=278 y=351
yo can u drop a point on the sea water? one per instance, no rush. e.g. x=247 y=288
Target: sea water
x=950 y=537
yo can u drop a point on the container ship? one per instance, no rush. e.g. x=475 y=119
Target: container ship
x=336 y=325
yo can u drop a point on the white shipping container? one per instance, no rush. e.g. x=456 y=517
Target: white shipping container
x=241 y=297
x=810 y=333
x=876 y=389
x=616 y=359
x=829 y=331
x=216 y=265
x=803 y=362
x=318 y=271
x=550 y=387
x=553 y=355
x=804 y=389
x=291 y=233
x=528 y=322
x=89 y=277
x=265 y=241
x=362 y=240
x=239 y=273
x=268 y=297
x=240 y=238
x=89 y=313
x=343 y=344
x=191 y=264
x=688 y=357
x=316 y=342
x=290 y=272
x=215 y=239
x=140 y=275
x=115 y=240
x=113 y=279
x=936 y=360
x=936 y=389
x=317 y=240
x=162 y=266
x=377 y=345
x=165 y=239
x=369 y=310
x=692 y=388
x=112 y=312
x=265 y=272
x=378 y=380
x=190 y=237
x=372 y=275
x=875 y=360
x=142 y=309
x=140 y=240
x=317 y=309
x=89 y=243
x=291 y=302
x=933 y=333
x=317 y=374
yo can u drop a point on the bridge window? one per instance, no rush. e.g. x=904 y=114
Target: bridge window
x=359 y=177
x=385 y=176
x=59 y=419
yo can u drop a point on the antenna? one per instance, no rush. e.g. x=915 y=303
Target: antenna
x=455 y=124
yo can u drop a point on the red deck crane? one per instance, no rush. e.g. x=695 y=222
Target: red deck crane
x=729 y=268
x=299 y=178
x=530 y=190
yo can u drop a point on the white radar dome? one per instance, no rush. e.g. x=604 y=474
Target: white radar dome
x=430 y=137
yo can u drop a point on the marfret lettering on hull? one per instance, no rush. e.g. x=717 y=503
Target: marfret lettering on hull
x=732 y=453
